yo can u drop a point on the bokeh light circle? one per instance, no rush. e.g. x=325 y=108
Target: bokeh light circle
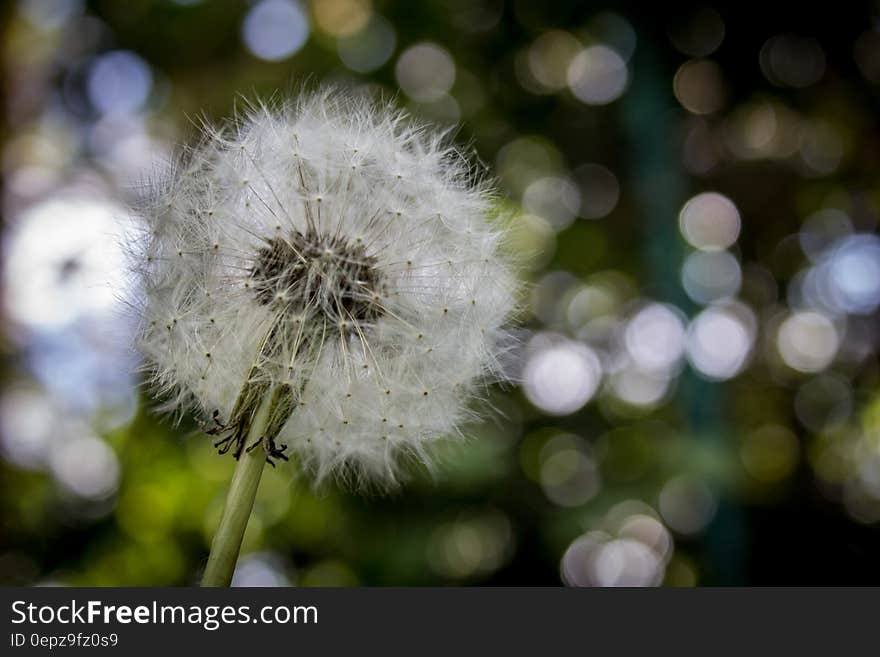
x=275 y=29
x=370 y=48
x=709 y=221
x=597 y=75
x=119 y=83
x=655 y=337
x=807 y=341
x=720 y=340
x=708 y=277
x=560 y=378
x=65 y=261
x=425 y=72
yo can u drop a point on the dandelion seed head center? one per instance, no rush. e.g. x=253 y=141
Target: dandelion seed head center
x=318 y=274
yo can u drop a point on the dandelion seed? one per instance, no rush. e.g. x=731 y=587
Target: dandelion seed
x=276 y=267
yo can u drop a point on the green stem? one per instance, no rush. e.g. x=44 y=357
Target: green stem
x=239 y=503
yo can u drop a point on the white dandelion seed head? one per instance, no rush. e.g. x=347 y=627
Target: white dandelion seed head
x=339 y=255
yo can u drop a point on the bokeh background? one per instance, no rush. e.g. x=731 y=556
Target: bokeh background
x=693 y=193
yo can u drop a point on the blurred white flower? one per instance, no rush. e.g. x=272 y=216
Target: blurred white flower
x=338 y=257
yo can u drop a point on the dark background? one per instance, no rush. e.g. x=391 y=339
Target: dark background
x=688 y=487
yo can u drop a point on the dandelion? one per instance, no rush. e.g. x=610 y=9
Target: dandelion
x=324 y=281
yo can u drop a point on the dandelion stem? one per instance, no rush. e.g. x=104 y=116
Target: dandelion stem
x=239 y=503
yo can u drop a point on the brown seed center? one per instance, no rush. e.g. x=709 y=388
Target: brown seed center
x=322 y=274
